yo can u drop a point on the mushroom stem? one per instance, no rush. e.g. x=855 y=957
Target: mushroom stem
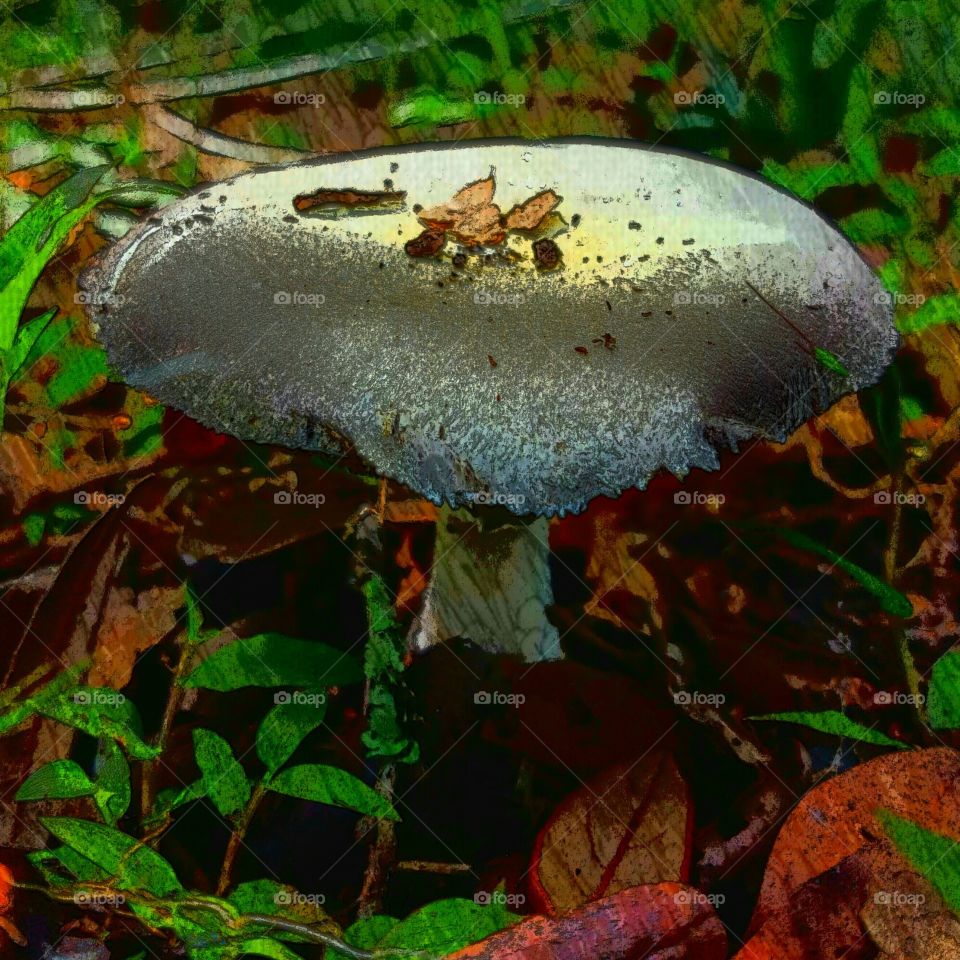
x=490 y=584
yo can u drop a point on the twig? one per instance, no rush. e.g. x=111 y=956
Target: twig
x=219 y=144
x=383 y=851
x=237 y=836
x=432 y=866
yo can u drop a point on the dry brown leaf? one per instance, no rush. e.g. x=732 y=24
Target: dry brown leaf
x=532 y=212
x=838 y=817
x=480 y=227
x=666 y=921
x=631 y=826
x=470 y=198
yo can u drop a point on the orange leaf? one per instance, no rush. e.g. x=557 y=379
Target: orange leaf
x=631 y=826
x=531 y=213
x=471 y=197
x=838 y=817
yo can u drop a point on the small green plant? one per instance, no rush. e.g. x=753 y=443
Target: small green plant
x=97 y=863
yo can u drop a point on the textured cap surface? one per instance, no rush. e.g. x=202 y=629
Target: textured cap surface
x=684 y=317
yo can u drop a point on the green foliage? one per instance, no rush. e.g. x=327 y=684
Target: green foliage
x=56 y=780
x=273 y=660
x=836 y=723
x=324 y=784
x=438 y=929
x=830 y=361
x=223 y=777
x=131 y=865
x=283 y=729
x=943 y=693
x=113 y=781
x=935 y=857
x=891 y=600
x=383 y=666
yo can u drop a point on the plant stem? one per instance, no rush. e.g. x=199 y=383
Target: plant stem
x=236 y=838
x=383 y=851
x=174 y=699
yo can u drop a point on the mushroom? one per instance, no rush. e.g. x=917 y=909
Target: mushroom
x=667 y=308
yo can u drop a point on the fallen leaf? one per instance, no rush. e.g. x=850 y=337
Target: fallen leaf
x=665 y=921
x=632 y=825
x=466 y=200
x=532 y=212
x=480 y=227
x=839 y=816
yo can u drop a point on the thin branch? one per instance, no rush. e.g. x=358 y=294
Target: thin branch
x=219 y=144
x=433 y=866
x=237 y=836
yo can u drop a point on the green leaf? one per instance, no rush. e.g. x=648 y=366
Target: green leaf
x=943 y=695
x=892 y=601
x=113 y=781
x=283 y=729
x=324 y=784
x=273 y=899
x=26 y=338
x=935 y=857
x=934 y=312
x=223 y=776
x=194 y=616
x=274 y=660
x=77 y=866
x=168 y=799
x=447 y=926
x=101 y=712
x=366 y=933
x=57 y=780
x=134 y=866
x=830 y=361
x=832 y=721
x=264 y=947
x=29 y=244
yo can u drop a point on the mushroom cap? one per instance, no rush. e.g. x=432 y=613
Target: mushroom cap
x=684 y=318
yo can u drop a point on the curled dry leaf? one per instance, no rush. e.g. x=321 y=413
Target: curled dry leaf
x=665 y=921
x=480 y=227
x=838 y=817
x=531 y=213
x=632 y=825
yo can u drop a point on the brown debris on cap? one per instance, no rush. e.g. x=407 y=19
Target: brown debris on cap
x=531 y=213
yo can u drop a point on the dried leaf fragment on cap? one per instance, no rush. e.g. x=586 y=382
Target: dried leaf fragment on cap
x=532 y=212
x=464 y=202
